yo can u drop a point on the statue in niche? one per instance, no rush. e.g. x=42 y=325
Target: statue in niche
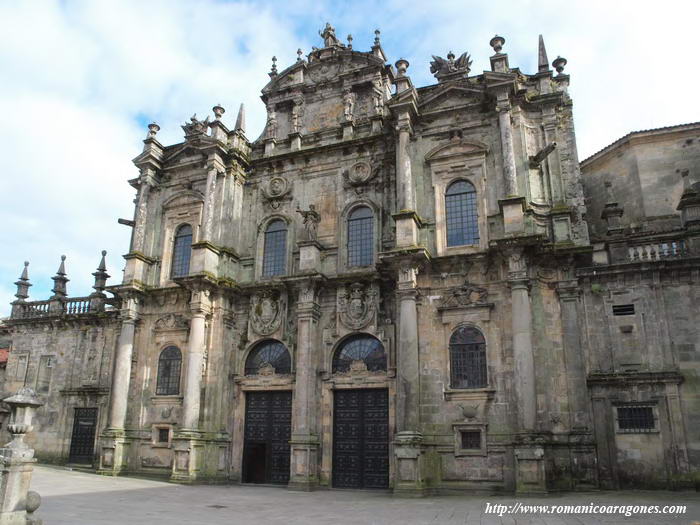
x=311 y=220
x=349 y=104
x=328 y=35
x=377 y=98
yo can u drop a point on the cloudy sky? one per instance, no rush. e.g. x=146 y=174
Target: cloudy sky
x=79 y=81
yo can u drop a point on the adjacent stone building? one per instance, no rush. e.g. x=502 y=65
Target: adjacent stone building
x=392 y=287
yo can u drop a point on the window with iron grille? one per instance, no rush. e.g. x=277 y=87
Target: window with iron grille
x=181 y=251
x=43 y=378
x=275 y=249
x=623 y=309
x=467 y=358
x=471 y=439
x=163 y=435
x=636 y=418
x=361 y=237
x=169 y=364
x=271 y=353
x=363 y=348
x=461 y=214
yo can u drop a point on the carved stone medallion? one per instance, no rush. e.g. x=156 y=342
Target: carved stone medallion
x=357 y=305
x=275 y=191
x=358 y=174
x=266 y=310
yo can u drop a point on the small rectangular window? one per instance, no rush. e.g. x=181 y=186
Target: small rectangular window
x=43 y=377
x=163 y=435
x=471 y=439
x=623 y=309
x=636 y=418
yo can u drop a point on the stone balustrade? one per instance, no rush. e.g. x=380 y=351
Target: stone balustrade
x=655 y=251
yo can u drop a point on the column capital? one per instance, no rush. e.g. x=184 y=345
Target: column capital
x=200 y=302
x=568 y=290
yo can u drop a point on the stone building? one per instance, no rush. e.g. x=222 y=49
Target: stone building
x=392 y=287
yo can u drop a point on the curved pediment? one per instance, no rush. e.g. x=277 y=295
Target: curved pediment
x=183 y=198
x=462 y=148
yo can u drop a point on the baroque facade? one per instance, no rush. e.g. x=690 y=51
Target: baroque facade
x=392 y=287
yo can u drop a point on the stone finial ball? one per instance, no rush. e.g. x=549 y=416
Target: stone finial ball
x=33 y=501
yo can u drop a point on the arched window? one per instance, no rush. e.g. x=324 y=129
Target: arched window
x=181 y=251
x=169 y=365
x=467 y=358
x=272 y=355
x=361 y=237
x=461 y=214
x=275 y=249
x=361 y=347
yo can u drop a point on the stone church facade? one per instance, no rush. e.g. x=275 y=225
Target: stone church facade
x=392 y=287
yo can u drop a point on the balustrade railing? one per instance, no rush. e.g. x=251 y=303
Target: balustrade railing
x=656 y=251
x=77 y=305
x=69 y=306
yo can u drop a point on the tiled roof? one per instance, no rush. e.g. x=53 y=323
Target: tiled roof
x=676 y=127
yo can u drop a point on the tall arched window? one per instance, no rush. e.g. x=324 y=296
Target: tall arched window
x=467 y=358
x=181 y=251
x=275 y=249
x=361 y=347
x=361 y=237
x=461 y=214
x=269 y=354
x=169 y=365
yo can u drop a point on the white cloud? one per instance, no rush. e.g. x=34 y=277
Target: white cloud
x=79 y=75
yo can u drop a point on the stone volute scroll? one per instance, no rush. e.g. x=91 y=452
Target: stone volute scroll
x=266 y=311
x=357 y=305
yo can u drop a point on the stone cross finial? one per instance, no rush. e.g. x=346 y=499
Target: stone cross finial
x=218 y=111
x=273 y=70
x=299 y=53
x=497 y=43
x=60 y=280
x=559 y=64
x=376 y=37
x=23 y=284
x=153 y=129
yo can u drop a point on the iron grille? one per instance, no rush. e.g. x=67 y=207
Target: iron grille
x=461 y=214
x=163 y=435
x=471 y=439
x=181 y=251
x=275 y=250
x=363 y=348
x=468 y=358
x=361 y=237
x=169 y=365
x=635 y=418
x=623 y=309
x=273 y=353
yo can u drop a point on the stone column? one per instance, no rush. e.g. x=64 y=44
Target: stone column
x=575 y=367
x=113 y=441
x=208 y=209
x=555 y=182
x=305 y=442
x=522 y=341
x=404 y=176
x=188 y=440
x=141 y=215
x=407 y=445
x=509 y=174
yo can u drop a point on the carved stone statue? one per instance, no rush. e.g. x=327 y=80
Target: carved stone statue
x=441 y=67
x=349 y=104
x=311 y=220
x=271 y=127
x=328 y=35
x=297 y=112
x=377 y=98
x=196 y=127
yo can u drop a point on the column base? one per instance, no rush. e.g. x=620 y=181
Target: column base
x=114 y=447
x=348 y=130
x=304 y=463
x=409 y=481
x=188 y=464
x=530 y=471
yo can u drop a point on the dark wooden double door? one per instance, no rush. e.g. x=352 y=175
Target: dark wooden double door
x=361 y=438
x=268 y=428
x=82 y=443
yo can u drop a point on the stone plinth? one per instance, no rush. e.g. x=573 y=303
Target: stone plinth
x=530 y=473
x=409 y=464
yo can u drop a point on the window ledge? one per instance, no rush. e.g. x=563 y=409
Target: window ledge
x=468 y=394
x=160 y=400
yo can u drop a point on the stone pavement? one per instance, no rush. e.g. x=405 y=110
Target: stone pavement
x=77 y=498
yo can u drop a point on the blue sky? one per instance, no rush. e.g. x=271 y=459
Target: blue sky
x=80 y=79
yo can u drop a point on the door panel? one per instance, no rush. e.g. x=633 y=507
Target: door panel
x=361 y=438
x=82 y=444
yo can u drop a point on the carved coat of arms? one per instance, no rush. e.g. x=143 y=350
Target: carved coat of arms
x=464 y=295
x=266 y=312
x=357 y=306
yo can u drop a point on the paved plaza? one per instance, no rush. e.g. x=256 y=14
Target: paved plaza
x=77 y=498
